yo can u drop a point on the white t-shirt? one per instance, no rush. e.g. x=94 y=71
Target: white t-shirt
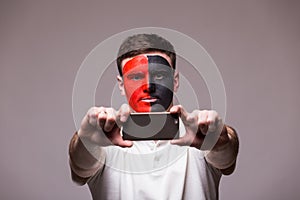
x=155 y=170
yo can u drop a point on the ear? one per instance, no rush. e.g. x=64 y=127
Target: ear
x=121 y=85
x=176 y=81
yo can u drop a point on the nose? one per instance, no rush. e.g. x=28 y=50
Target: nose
x=149 y=88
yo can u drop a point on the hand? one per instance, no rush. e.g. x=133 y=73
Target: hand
x=198 y=125
x=101 y=126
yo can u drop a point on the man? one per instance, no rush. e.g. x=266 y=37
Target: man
x=181 y=168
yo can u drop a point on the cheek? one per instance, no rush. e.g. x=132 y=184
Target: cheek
x=167 y=95
x=137 y=105
x=134 y=90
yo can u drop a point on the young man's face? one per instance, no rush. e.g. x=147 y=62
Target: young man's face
x=148 y=81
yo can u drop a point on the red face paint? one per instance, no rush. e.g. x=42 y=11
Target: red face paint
x=136 y=80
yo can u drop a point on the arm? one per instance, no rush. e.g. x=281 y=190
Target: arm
x=224 y=156
x=98 y=129
x=84 y=163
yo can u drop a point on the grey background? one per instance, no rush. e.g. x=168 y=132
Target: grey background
x=254 y=43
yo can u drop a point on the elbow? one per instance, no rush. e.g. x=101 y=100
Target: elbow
x=228 y=171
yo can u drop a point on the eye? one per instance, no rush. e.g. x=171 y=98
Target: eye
x=135 y=76
x=160 y=75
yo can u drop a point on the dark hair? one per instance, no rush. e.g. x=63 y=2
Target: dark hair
x=145 y=43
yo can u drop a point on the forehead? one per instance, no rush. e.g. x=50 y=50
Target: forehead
x=146 y=54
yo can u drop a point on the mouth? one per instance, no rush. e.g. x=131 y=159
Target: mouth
x=149 y=99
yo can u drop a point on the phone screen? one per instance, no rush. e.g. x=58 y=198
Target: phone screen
x=151 y=126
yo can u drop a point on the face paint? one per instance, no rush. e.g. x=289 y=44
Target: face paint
x=148 y=83
x=136 y=78
x=161 y=83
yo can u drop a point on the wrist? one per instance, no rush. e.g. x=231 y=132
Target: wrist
x=224 y=156
x=85 y=158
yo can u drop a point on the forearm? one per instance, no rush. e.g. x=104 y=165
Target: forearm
x=85 y=158
x=224 y=157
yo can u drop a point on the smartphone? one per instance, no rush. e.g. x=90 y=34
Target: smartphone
x=151 y=126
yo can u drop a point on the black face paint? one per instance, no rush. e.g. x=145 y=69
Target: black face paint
x=161 y=83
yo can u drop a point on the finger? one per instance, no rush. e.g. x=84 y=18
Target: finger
x=202 y=121
x=181 y=111
x=102 y=115
x=92 y=116
x=212 y=116
x=125 y=143
x=193 y=117
x=123 y=113
x=182 y=141
x=116 y=138
x=122 y=143
x=202 y=117
x=212 y=120
x=174 y=109
x=217 y=126
x=110 y=119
